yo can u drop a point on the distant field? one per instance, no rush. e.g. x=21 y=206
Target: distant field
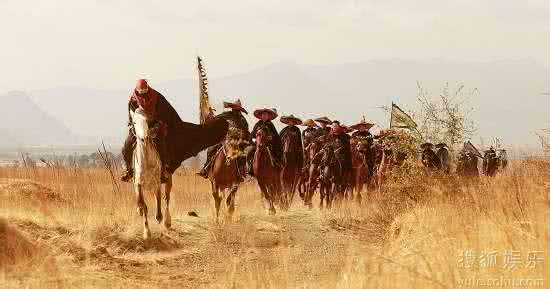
x=75 y=228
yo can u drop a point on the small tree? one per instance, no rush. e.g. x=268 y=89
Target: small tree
x=446 y=118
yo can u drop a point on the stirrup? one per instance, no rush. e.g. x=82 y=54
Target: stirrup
x=203 y=173
x=127 y=176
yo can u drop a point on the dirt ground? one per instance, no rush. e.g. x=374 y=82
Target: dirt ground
x=77 y=229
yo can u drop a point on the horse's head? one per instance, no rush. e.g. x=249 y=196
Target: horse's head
x=141 y=127
x=146 y=159
x=262 y=138
x=362 y=144
x=290 y=143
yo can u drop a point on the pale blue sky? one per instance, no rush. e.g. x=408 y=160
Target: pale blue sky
x=109 y=43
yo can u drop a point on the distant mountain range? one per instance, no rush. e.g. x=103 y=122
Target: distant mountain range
x=510 y=103
x=25 y=123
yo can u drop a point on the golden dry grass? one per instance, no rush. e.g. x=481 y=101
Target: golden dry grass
x=63 y=228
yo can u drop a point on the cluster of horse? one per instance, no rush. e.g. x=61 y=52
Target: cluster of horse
x=467 y=160
x=373 y=158
x=319 y=166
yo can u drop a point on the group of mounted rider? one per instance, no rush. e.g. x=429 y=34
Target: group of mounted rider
x=324 y=155
x=437 y=158
x=335 y=159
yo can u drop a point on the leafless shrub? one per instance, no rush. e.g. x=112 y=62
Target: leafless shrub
x=109 y=165
x=446 y=117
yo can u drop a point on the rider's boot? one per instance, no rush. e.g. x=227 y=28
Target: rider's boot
x=204 y=171
x=127 y=175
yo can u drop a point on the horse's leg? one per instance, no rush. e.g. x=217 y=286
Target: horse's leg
x=294 y=187
x=348 y=187
x=283 y=177
x=230 y=202
x=296 y=180
x=299 y=186
x=288 y=192
x=265 y=198
x=321 y=195
x=277 y=189
x=310 y=188
x=358 y=185
x=217 y=198
x=271 y=195
x=158 y=193
x=274 y=198
x=167 y=192
x=332 y=189
x=142 y=211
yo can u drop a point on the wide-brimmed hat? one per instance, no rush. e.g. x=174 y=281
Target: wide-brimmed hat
x=347 y=129
x=323 y=119
x=362 y=124
x=441 y=145
x=235 y=105
x=273 y=112
x=309 y=123
x=290 y=118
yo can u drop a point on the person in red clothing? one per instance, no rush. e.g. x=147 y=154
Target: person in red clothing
x=159 y=113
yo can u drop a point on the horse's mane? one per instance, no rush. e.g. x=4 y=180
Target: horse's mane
x=139 y=120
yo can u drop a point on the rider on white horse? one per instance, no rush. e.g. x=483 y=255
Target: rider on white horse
x=159 y=112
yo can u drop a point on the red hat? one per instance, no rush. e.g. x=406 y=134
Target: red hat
x=142 y=86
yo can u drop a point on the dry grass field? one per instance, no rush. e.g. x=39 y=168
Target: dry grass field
x=67 y=228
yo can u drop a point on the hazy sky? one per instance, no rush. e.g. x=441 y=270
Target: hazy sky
x=109 y=43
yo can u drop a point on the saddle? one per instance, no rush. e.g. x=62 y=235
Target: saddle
x=235 y=143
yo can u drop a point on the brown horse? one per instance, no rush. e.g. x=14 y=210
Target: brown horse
x=291 y=169
x=310 y=173
x=224 y=173
x=331 y=176
x=363 y=159
x=266 y=171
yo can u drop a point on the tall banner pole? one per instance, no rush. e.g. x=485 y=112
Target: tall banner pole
x=205 y=111
x=391 y=115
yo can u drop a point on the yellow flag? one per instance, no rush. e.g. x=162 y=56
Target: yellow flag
x=206 y=112
x=400 y=119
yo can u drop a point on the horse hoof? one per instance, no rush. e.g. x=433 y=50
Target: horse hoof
x=167 y=221
x=140 y=211
x=159 y=218
x=272 y=212
x=146 y=234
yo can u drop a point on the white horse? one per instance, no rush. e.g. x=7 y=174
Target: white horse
x=147 y=170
